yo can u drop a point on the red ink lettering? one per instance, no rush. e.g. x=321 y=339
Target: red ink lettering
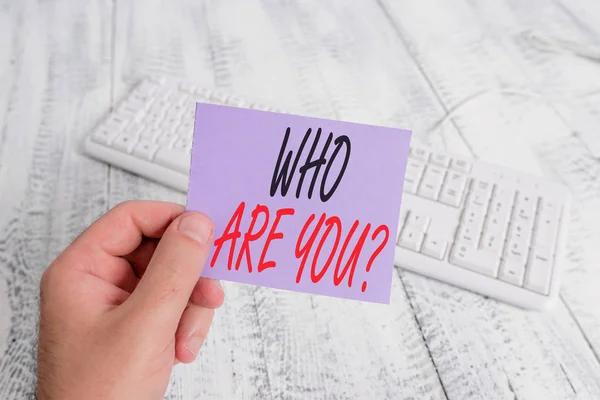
x=250 y=237
x=227 y=235
x=377 y=250
x=303 y=251
x=273 y=235
x=354 y=256
x=331 y=221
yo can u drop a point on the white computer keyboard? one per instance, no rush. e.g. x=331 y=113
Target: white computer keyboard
x=469 y=223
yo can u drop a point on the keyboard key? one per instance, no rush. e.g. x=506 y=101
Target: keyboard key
x=478 y=199
x=525 y=206
x=186 y=129
x=502 y=201
x=412 y=177
x=169 y=125
x=440 y=159
x=429 y=190
x=453 y=189
x=496 y=223
x=434 y=247
x=415 y=168
x=418 y=221
x=520 y=231
x=545 y=231
x=460 y=165
x=168 y=94
x=202 y=92
x=146 y=88
x=410 y=185
x=182 y=145
x=468 y=236
x=483 y=186
x=182 y=101
x=539 y=271
x=236 y=102
x=516 y=250
x=218 y=97
x=135 y=131
x=140 y=97
x=117 y=122
x=123 y=143
x=403 y=214
x=479 y=261
x=450 y=196
x=493 y=243
x=145 y=150
x=103 y=135
x=443 y=229
x=480 y=194
x=144 y=92
x=176 y=160
x=155 y=117
x=457 y=181
x=473 y=216
x=512 y=271
x=550 y=208
x=146 y=133
x=434 y=173
x=431 y=183
x=133 y=110
x=401 y=220
x=166 y=139
x=419 y=154
x=411 y=238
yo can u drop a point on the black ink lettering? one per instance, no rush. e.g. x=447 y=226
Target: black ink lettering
x=308 y=162
x=340 y=141
x=285 y=176
x=316 y=164
x=321 y=162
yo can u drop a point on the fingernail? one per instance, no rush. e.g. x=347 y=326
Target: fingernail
x=196 y=226
x=193 y=344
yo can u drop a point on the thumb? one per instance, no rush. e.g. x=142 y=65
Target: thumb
x=165 y=288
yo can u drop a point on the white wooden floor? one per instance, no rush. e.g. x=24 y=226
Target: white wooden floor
x=403 y=63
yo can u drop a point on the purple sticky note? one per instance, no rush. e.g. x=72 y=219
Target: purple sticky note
x=299 y=203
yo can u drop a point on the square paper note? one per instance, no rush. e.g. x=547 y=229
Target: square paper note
x=299 y=203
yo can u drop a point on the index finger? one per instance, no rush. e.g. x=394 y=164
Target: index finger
x=121 y=229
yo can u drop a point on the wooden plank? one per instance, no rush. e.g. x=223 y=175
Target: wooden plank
x=512 y=353
x=462 y=64
x=18 y=69
x=584 y=15
x=571 y=84
x=157 y=38
x=57 y=82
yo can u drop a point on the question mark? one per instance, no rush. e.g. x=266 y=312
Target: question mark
x=377 y=250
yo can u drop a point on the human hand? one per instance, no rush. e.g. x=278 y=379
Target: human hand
x=124 y=303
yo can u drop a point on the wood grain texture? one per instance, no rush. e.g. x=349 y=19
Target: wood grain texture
x=398 y=63
x=56 y=55
x=514 y=350
x=571 y=85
